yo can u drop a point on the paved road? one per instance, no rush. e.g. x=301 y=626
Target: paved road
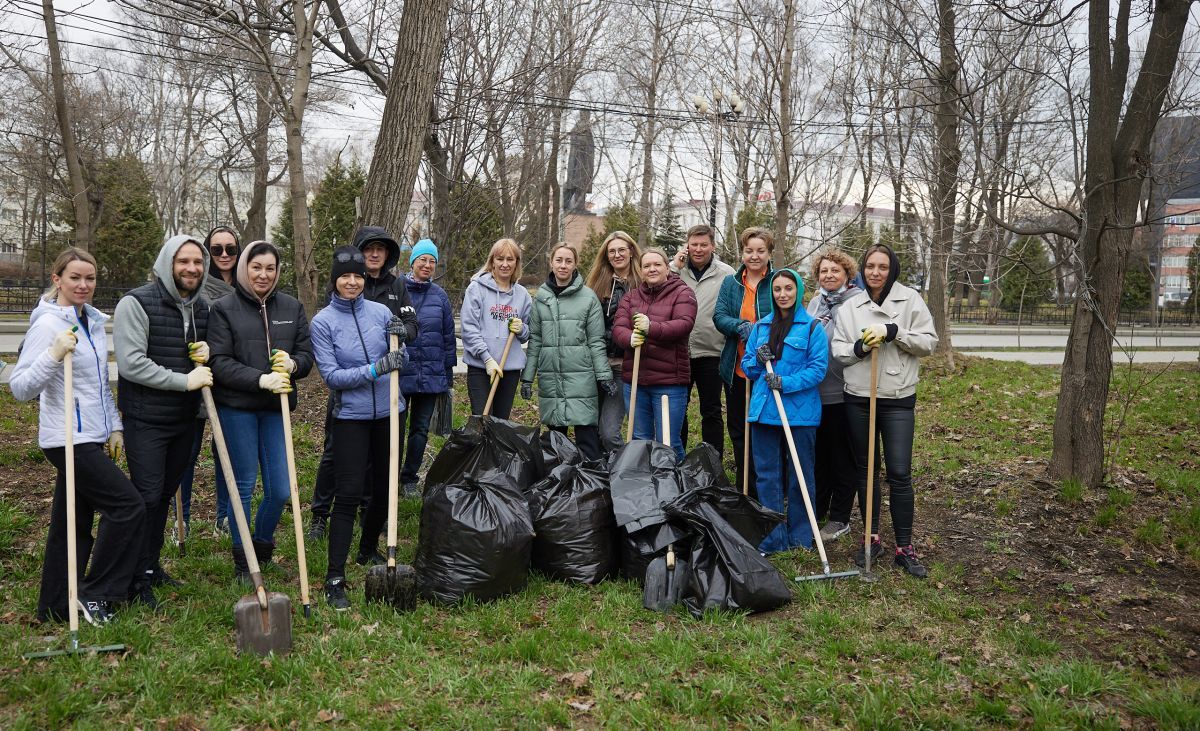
x=1055 y=357
x=1140 y=339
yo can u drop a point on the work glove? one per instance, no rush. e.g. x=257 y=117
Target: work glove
x=874 y=335
x=515 y=325
x=774 y=381
x=199 y=377
x=526 y=390
x=281 y=362
x=275 y=382
x=450 y=378
x=493 y=369
x=198 y=352
x=641 y=322
x=611 y=387
x=63 y=343
x=115 y=446
x=764 y=354
x=743 y=330
x=393 y=360
x=396 y=327
x=637 y=338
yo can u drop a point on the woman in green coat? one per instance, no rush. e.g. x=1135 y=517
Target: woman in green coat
x=566 y=352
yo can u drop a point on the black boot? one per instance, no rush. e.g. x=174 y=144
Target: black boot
x=263 y=551
x=241 y=570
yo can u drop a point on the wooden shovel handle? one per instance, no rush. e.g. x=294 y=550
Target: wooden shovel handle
x=637 y=362
x=393 y=455
x=297 y=518
x=868 y=509
x=69 y=478
x=487 y=408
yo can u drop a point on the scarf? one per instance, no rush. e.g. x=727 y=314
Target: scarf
x=828 y=302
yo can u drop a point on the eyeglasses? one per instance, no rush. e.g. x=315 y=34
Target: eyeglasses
x=226 y=250
x=347 y=256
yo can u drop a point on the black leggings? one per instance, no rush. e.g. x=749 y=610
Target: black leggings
x=735 y=401
x=895 y=425
x=478 y=387
x=837 y=480
x=357 y=446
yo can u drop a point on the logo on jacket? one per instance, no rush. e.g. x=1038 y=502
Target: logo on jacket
x=283 y=322
x=502 y=313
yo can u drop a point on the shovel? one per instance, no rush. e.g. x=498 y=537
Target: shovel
x=180 y=535
x=637 y=362
x=395 y=585
x=72 y=570
x=808 y=508
x=665 y=575
x=297 y=519
x=263 y=619
x=487 y=408
x=866 y=572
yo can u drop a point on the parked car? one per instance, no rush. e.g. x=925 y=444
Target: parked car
x=1174 y=299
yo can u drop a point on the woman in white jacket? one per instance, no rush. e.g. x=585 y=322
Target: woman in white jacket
x=65 y=321
x=893 y=318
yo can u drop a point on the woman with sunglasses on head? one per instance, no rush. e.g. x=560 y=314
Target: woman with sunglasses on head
x=494 y=306
x=258 y=342
x=64 y=321
x=614 y=273
x=351 y=345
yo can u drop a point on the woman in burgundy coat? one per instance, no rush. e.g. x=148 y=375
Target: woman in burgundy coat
x=657 y=317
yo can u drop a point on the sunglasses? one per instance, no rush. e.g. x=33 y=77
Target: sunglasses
x=226 y=250
x=347 y=256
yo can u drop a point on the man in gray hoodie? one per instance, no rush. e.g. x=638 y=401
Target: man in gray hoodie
x=158 y=333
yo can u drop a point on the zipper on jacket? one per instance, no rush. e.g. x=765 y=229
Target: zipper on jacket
x=367 y=355
x=78 y=418
x=101 y=380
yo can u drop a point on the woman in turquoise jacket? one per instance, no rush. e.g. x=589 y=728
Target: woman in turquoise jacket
x=796 y=346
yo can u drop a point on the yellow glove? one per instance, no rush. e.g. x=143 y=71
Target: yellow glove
x=275 y=382
x=198 y=352
x=63 y=343
x=641 y=322
x=493 y=369
x=281 y=362
x=874 y=335
x=515 y=325
x=115 y=447
x=637 y=338
x=199 y=377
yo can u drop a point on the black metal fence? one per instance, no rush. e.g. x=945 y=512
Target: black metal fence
x=1054 y=315
x=19 y=297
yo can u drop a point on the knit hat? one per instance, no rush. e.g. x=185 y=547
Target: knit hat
x=424 y=246
x=347 y=260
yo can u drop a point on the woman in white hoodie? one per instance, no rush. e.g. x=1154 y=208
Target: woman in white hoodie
x=65 y=322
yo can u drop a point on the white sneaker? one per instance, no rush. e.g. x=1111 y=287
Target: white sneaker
x=834 y=530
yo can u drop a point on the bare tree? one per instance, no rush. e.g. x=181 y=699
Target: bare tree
x=80 y=203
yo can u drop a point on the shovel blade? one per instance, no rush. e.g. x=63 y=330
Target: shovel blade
x=395 y=585
x=664 y=585
x=260 y=631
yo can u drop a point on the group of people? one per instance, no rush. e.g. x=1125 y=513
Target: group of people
x=212 y=316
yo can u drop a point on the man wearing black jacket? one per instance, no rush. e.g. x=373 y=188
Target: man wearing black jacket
x=383 y=286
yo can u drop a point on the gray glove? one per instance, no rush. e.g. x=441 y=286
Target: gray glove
x=393 y=360
x=764 y=354
x=774 y=382
x=395 y=326
x=743 y=330
x=526 y=390
x=611 y=388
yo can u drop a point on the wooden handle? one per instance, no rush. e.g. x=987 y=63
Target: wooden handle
x=69 y=478
x=868 y=510
x=487 y=408
x=637 y=362
x=297 y=518
x=666 y=437
x=393 y=455
x=746 y=445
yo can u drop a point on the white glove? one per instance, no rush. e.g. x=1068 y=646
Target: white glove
x=281 y=362
x=198 y=352
x=515 y=325
x=493 y=369
x=115 y=446
x=275 y=382
x=641 y=322
x=637 y=338
x=873 y=335
x=199 y=377
x=63 y=343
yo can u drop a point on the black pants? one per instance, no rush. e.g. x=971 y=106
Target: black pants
x=100 y=487
x=735 y=400
x=835 y=470
x=587 y=438
x=157 y=455
x=478 y=387
x=326 y=485
x=358 y=447
x=419 y=409
x=706 y=378
x=895 y=424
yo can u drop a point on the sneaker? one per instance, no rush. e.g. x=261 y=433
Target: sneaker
x=335 y=594
x=159 y=577
x=223 y=524
x=834 y=530
x=411 y=489
x=374 y=558
x=96 y=612
x=143 y=593
x=860 y=557
x=906 y=558
x=317 y=529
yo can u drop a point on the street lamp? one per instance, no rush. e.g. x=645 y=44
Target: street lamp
x=723 y=108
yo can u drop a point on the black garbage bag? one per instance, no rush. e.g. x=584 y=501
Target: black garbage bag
x=558 y=449
x=702 y=467
x=573 y=520
x=642 y=477
x=475 y=539
x=727 y=570
x=442 y=421
x=486 y=443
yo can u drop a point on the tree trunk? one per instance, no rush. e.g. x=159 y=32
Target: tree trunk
x=80 y=203
x=256 y=215
x=1117 y=165
x=947 y=158
x=405 y=124
x=302 y=244
x=783 y=175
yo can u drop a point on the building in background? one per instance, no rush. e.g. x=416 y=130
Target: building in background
x=1174 y=206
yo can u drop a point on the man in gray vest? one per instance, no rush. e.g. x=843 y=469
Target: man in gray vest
x=158 y=332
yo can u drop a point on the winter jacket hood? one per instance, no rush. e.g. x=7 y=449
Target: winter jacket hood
x=434 y=353
x=899 y=360
x=893 y=271
x=38 y=374
x=706 y=341
x=164 y=267
x=213 y=271
x=801 y=364
x=671 y=307
x=347 y=337
x=485 y=313
x=727 y=315
x=379 y=235
x=241 y=276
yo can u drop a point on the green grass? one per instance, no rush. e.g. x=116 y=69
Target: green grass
x=896 y=654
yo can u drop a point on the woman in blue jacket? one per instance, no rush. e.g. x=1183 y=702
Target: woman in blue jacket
x=796 y=345
x=431 y=357
x=350 y=344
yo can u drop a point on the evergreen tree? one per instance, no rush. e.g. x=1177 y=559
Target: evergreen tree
x=1135 y=294
x=332 y=216
x=281 y=236
x=478 y=223
x=1193 y=268
x=1027 y=276
x=129 y=235
x=670 y=234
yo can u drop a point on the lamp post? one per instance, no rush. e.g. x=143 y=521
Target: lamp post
x=723 y=108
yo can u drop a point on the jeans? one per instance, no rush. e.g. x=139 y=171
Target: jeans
x=255 y=441
x=895 y=425
x=587 y=438
x=420 y=412
x=836 y=475
x=612 y=417
x=157 y=455
x=647 y=421
x=773 y=461
x=735 y=400
x=359 y=447
x=100 y=487
x=189 y=476
x=706 y=377
x=478 y=387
